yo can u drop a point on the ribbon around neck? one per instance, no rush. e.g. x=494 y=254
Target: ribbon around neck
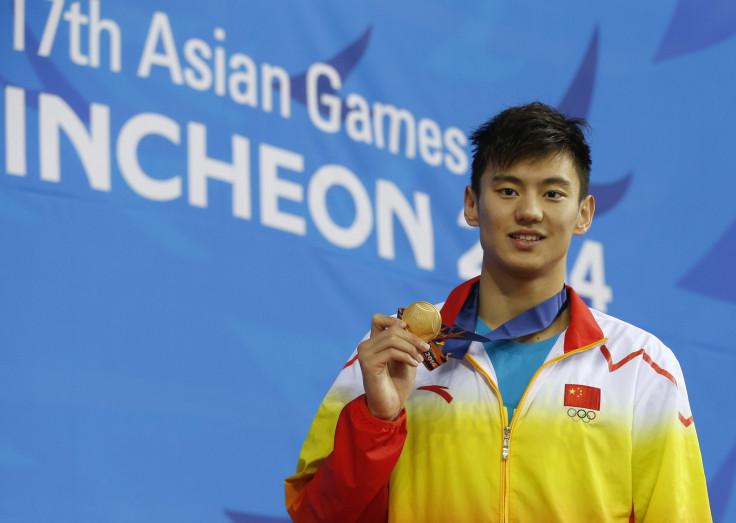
x=454 y=341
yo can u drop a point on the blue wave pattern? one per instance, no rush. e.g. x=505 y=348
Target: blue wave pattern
x=579 y=95
x=697 y=25
x=576 y=103
x=52 y=79
x=714 y=274
x=344 y=62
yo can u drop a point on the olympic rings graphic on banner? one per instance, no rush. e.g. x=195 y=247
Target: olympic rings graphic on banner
x=586 y=416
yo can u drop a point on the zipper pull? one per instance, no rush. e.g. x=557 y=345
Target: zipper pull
x=506 y=436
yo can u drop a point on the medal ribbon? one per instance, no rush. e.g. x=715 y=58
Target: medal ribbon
x=454 y=342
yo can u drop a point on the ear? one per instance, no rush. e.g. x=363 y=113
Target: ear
x=471 y=207
x=585 y=215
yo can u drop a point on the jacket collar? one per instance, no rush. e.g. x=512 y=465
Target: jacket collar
x=582 y=331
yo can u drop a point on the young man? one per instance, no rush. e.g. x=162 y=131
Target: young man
x=560 y=413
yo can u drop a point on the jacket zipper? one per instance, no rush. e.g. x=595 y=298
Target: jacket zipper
x=508 y=427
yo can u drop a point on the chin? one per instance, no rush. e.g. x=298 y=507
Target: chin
x=529 y=270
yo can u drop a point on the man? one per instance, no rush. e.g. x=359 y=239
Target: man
x=559 y=413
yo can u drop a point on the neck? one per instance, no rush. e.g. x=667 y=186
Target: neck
x=500 y=299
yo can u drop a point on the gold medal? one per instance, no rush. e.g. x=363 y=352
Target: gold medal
x=423 y=320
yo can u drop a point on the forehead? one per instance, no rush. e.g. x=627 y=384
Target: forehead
x=553 y=168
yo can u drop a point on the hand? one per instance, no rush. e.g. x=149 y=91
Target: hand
x=389 y=360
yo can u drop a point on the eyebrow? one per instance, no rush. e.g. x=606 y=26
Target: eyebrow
x=551 y=180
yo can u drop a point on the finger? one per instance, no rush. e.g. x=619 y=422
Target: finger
x=398 y=339
x=391 y=355
x=388 y=324
x=399 y=335
x=379 y=323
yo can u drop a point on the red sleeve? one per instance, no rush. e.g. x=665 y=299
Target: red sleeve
x=351 y=484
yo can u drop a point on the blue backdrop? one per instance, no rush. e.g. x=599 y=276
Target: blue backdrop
x=202 y=205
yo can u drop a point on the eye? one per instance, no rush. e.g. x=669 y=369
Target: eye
x=507 y=191
x=555 y=195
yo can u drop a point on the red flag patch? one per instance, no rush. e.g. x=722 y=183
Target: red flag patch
x=583 y=396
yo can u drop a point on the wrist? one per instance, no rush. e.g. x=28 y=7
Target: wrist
x=389 y=416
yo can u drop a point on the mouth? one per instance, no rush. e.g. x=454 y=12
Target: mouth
x=526 y=237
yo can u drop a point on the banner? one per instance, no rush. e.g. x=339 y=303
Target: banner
x=202 y=205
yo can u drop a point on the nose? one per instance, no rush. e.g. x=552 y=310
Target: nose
x=529 y=210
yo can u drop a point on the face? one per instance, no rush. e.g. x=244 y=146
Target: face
x=527 y=215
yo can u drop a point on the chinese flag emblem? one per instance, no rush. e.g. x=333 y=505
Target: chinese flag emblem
x=583 y=396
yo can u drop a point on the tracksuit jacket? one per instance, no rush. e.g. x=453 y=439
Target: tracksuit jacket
x=603 y=432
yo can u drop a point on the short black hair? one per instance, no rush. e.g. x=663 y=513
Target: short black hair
x=528 y=132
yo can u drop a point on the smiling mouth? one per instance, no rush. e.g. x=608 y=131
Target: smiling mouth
x=526 y=237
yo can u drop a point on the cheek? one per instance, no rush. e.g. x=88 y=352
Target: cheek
x=491 y=223
x=491 y=214
x=569 y=220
